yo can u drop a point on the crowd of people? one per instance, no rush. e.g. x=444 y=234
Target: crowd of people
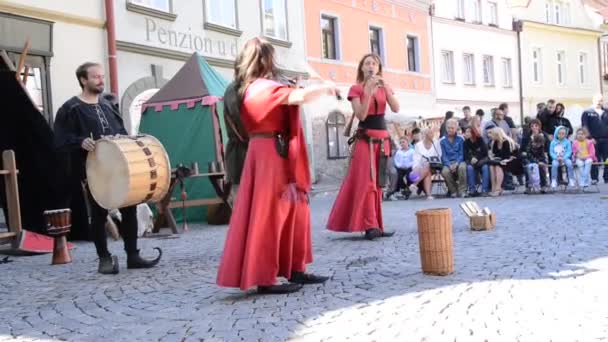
x=477 y=157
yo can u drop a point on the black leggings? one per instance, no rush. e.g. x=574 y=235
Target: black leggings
x=127 y=228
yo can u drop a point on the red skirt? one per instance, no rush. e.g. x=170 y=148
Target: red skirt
x=358 y=206
x=268 y=236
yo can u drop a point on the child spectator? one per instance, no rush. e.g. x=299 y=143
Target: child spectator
x=561 y=154
x=404 y=162
x=583 y=151
x=535 y=160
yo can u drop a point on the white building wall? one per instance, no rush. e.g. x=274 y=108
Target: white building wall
x=576 y=33
x=78 y=36
x=479 y=39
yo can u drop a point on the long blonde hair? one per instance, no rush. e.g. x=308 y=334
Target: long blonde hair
x=256 y=60
x=499 y=135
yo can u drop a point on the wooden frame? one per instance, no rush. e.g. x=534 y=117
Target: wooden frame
x=12 y=198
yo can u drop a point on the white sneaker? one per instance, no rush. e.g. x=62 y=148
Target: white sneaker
x=554 y=184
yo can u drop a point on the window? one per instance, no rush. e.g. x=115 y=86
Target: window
x=537 y=73
x=477 y=11
x=493 y=11
x=561 y=72
x=469 y=68
x=337 y=147
x=275 y=18
x=548 y=6
x=558 y=13
x=329 y=37
x=460 y=9
x=447 y=68
x=582 y=68
x=413 y=60
x=507 y=75
x=375 y=35
x=221 y=12
x=161 y=5
x=488 y=70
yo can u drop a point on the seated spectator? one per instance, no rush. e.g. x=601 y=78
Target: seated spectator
x=454 y=168
x=404 y=163
x=534 y=127
x=583 y=151
x=503 y=158
x=476 y=158
x=535 y=161
x=561 y=155
x=427 y=160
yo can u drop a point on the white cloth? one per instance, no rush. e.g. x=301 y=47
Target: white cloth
x=404 y=159
x=422 y=153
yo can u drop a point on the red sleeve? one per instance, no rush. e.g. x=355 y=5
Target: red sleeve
x=355 y=91
x=263 y=96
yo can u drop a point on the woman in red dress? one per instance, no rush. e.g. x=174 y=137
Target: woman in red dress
x=358 y=207
x=269 y=233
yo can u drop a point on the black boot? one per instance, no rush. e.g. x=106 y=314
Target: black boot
x=387 y=233
x=306 y=278
x=134 y=260
x=279 y=289
x=373 y=233
x=108 y=265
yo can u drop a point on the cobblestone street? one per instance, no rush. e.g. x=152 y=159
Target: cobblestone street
x=540 y=276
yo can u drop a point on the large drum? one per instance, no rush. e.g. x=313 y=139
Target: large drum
x=128 y=170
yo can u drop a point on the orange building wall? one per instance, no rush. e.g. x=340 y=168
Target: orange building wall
x=354 y=19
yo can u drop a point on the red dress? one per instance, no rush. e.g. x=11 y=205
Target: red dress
x=358 y=206
x=269 y=232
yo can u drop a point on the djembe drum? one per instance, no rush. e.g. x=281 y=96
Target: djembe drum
x=59 y=223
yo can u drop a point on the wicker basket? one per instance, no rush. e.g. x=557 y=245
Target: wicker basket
x=435 y=240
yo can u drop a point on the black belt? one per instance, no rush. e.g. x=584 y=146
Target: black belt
x=373 y=122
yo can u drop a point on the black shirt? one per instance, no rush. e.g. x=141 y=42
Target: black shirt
x=477 y=150
x=77 y=120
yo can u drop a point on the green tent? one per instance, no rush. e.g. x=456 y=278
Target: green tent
x=186 y=115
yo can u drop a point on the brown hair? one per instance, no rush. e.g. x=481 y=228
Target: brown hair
x=360 y=75
x=83 y=72
x=256 y=60
x=535 y=122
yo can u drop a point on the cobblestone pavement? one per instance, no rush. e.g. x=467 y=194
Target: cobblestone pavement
x=540 y=276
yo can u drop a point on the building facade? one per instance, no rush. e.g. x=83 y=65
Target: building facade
x=560 y=57
x=154 y=38
x=61 y=38
x=338 y=34
x=475 y=55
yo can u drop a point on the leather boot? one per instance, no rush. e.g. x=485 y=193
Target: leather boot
x=108 y=265
x=134 y=260
x=306 y=278
x=373 y=233
x=279 y=289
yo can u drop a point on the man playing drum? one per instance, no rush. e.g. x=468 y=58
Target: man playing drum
x=79 y=122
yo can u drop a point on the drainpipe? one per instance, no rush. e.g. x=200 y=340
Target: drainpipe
x=517 y=27
x=109 y=4
x=601 y=65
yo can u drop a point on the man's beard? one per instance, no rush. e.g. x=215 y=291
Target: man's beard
x=95 y=90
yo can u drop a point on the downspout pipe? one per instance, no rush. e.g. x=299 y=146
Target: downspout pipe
x=518 y=27
x=601 y=63
x=111 y=30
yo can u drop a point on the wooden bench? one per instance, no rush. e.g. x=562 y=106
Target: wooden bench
x=11 y=188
